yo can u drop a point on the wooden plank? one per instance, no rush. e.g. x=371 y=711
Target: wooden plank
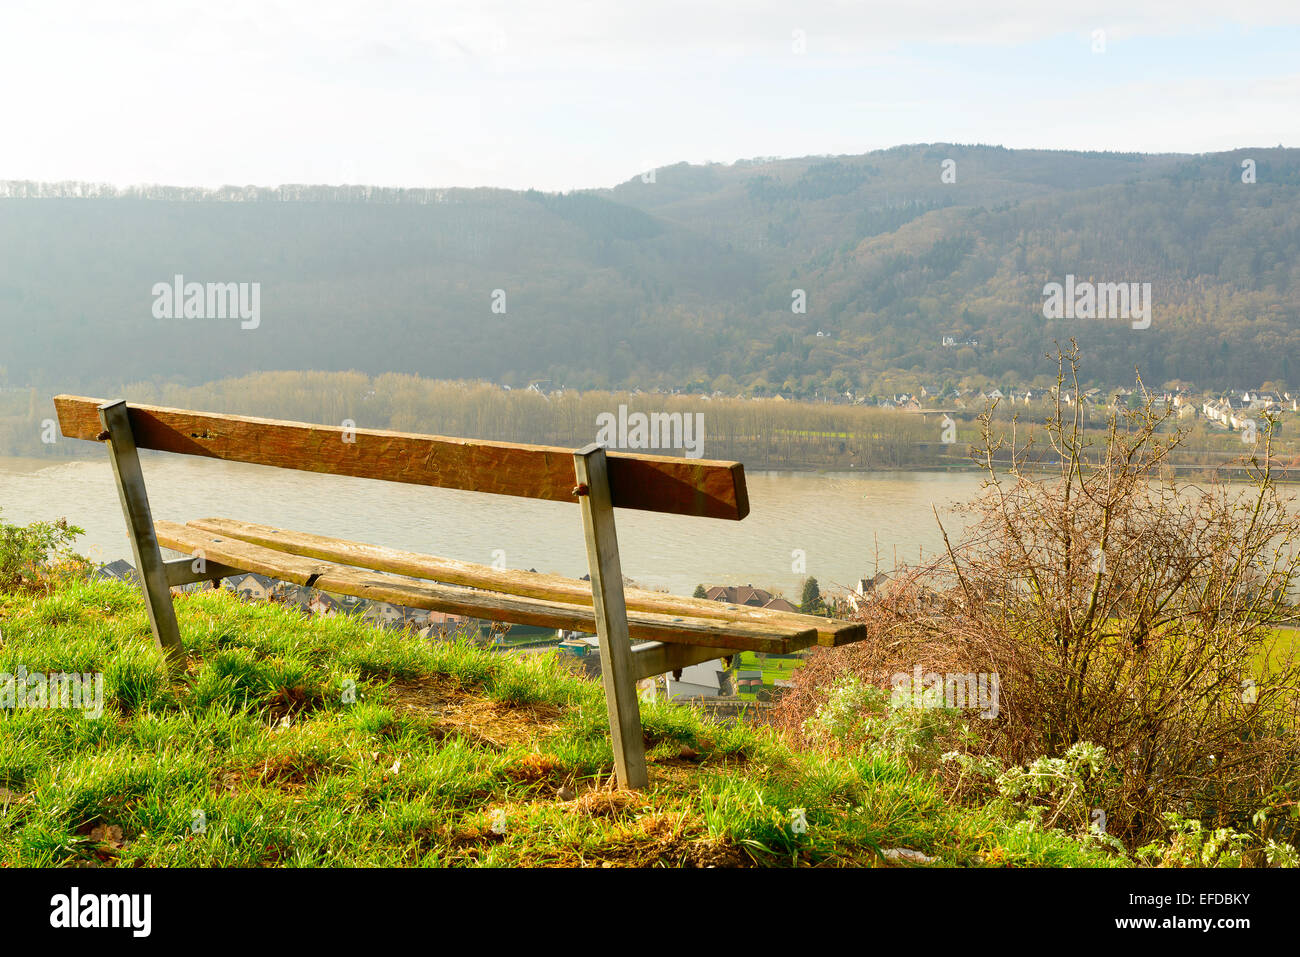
x=139 y=528
x=490 y=605
x=656 y=658
x=616 y=666
x=656 y=483
x=830 y=631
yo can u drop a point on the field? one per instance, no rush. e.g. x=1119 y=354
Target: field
x=774 y=668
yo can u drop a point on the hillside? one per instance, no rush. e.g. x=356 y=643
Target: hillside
x=684 y=281
x=330 y=743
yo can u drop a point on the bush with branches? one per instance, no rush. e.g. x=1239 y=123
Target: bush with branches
x=1120 y=608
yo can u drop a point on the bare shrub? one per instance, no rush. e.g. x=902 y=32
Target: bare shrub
x=1119 y=607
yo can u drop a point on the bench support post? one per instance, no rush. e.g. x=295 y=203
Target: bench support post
x=139 y=526
x=652 y=658
x=616 y=665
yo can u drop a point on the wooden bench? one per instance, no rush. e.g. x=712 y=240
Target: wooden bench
x=672 y=631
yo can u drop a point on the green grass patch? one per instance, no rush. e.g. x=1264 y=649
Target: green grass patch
x=327 y=742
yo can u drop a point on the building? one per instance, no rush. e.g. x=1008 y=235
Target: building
x=323 y=604
x=292 y=594
x=739 y=595
x=867 y=589
x=251 y=587
x=382 y=614
x=748 y=595
x=697 y=681
x=438 y=625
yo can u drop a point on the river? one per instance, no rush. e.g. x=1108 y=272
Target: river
x=836 y=524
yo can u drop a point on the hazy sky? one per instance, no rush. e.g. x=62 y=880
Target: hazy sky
x=564 y=94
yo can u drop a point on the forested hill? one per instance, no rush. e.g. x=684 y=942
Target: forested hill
x=684 y=277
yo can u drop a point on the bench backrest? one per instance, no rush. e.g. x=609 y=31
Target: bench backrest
x=655 y=483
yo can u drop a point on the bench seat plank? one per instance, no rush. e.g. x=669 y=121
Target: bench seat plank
x=656 y=483
x=492 y=605
x=831 y=632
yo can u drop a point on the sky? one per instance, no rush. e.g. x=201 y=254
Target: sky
x=572 y=94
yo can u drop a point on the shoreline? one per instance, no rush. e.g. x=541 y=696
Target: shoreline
x=27 y=464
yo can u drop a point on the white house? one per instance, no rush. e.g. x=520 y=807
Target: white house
x=1216 y=410
x=1240 y=420
x=697 y=681
x=1256 y=400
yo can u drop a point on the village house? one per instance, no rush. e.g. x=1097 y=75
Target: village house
x=1241 y=420
x=251 y=587
x=748 y=595
x=292 y=594
x=324 y=605
x=1216 y=411
x=1258 y=400
x=1223 y=410
x=438 y=625
x=382 y=614
x=866 y=589
x=739 y=595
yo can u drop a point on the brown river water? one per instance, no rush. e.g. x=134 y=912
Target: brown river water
x=846 y=525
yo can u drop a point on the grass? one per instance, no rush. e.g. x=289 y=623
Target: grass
x=773 y=667
x=329 y=743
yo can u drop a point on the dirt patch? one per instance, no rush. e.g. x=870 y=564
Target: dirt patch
x=292 y=702
x=493 y=722
x=100 y=844
x=286 y=772
x=536 y=768
x=599 y=803
x=659 y=840
x=425 y=695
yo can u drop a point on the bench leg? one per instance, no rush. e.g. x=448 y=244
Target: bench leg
x=139 y=526
x=616 y=663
